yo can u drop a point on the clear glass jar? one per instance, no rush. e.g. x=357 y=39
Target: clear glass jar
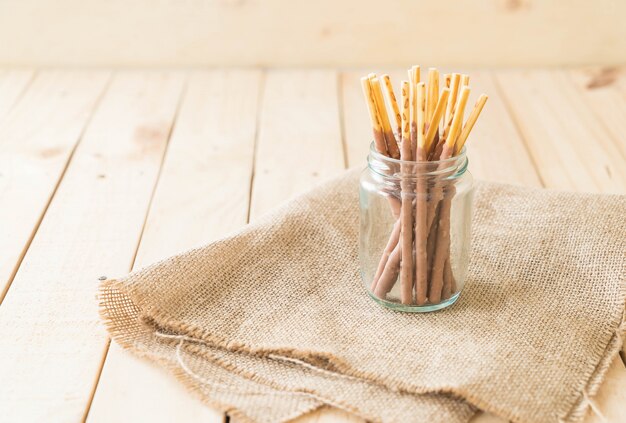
x=426 y=206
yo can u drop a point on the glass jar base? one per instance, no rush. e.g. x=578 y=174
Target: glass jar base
x=413 y=308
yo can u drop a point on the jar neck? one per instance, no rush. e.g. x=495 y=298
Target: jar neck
x=394 y=169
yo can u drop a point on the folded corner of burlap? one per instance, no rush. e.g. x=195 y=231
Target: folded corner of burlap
x=273 y=321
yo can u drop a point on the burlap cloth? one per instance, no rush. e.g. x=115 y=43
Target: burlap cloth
x=273 y=321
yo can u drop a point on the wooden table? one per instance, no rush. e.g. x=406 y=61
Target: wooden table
x=104 y=171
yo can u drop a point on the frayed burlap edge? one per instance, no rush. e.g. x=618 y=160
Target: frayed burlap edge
x=117 y=334
x=578 y=406
x=595 y=379
x=196 y=349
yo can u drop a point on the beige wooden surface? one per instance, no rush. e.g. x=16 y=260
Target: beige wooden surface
x=147 y=163
x=52 y=343
x=312 y=33
x=37 y=139
x=213 y=147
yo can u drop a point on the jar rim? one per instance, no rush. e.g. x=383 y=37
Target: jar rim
x=438 y=163
x=395 y=169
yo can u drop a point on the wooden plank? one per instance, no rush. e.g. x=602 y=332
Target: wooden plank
x=299 y=136
x=299 y=143
x=37 y=139
x=134 y=390
x=356 y=126
x=320 y=33
x=559 y=125
x=495 y=147
x=13 y=83
x=202 y=194
x=52 y=337
x=604 y=90
x=571 y=148
x=611 y=399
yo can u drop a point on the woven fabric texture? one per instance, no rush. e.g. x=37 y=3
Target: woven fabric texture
x=274 y=321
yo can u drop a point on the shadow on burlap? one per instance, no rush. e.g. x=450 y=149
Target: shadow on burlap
x=273 y=322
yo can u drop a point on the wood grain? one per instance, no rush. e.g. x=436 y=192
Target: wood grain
x=574 y=151
x=571 y=148
x=495 y=147
x=51 y=334
x=538 y=128
x=356 y=124
x=37 y=138
x=604 y=90
x=202 y=194
x=13 y=84
x=611 y=397
x=300 y=118
x=299 y=136
x=320 y=33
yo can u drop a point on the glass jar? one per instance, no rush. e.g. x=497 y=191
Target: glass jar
x=426 y=208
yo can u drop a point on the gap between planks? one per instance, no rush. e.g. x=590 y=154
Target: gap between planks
x=92 y=222
x=42 y=126
x=13 y=86
x=572 y=149
x=202 y=194
x=134 y=258
x=284 y=92
x=558 y=149
x=346 y=131
x=299 y=138
x=604 y=91
x=316 y=416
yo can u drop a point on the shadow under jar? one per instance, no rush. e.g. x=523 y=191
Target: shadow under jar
x=415 y=231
